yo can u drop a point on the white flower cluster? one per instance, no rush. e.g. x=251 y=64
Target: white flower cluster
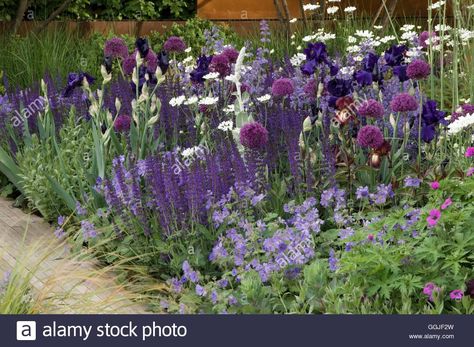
x=460 y=124
x=332 y=9
x=264 y=98
x=226 y=126
x=436 y=5
x=298 y=59
x=320 y=35
x=209 y=100
x=350 y=9
x=190 y=152
x=177 y=101
x=311 y=7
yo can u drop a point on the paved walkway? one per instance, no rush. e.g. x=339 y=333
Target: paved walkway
x=61 y=283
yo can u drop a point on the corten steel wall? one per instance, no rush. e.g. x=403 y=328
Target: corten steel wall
x=265 y=9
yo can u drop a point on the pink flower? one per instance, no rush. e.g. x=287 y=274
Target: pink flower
x=433 y=217
x=431 y=288
x=446 y=203
x=470 y=172
x=434 y=185
x=456 y=294
x=469 y=152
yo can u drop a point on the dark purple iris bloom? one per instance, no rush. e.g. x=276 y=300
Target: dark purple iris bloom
x=401 y=72
x=363 y=78
x=431 y=118
x=163 y=61
x=108 y=63
x=142 y=46
x=370 y=62
x=334 y=69
x=201 y=70
x=395 y=54
x=75 y=80
x=339 y=87
x=317 y=52
x=309 y=67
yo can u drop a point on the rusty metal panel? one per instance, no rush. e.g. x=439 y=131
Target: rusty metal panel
x=265 y=9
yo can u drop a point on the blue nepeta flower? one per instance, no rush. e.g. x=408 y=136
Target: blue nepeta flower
x=412 y=182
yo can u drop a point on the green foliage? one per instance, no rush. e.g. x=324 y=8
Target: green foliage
x=192 y=32
x=54 y=171
x=103 y=9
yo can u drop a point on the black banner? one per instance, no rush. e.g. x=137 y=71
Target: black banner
x=233 y=330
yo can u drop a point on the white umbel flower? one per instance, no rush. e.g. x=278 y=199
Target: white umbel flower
x=177 y=101
x=461 y=123
x=226 y=126
x=209 y=100
x=264 y=98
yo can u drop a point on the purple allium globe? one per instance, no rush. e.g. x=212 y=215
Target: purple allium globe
x=253 y=135
x=370 y=136
x=151 y=60
x=220 y=63
x=418 y=69
x=116 y=48
x=282 y=87
x=424 y=36
x=310 y=88
x=174 y=44
x=122 y=123
x=129 y=64
x=404 y=102
x=371 y=108
x=231 y=53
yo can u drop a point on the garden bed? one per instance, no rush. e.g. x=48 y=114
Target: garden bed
x=327 y=171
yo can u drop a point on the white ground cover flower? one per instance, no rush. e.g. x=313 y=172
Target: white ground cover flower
x=461 y=123
x=177 y=101
x=229 y=109
x=192 y=100
x=350 y=9
x=364 y=33
x=226 y=126
x=294 y=20
x=208 y=100
x=211 y=76
x=264 y=98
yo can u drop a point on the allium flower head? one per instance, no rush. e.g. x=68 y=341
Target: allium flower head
x=404 y=102
x=371 y=108
x=116 y=48
x=253 y=135
x=282 y=87
x=174 y=44
x=220 y=63
x=370 y=136
x=231 y=53
x=122 y=123
x=418 y=69
x=129 y=64
x=151 y=61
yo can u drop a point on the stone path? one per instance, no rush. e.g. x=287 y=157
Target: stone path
x=61 y=283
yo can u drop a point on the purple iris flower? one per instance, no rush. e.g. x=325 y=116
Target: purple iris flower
x=431 y=118
x=201 y=70
x=317 y=52
x=395 y=54
x=370 y=61
x=163 y=61
x=339 y=87
x=401 y=72
x=142 y=46
x=363 y=78
x=75 y=80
